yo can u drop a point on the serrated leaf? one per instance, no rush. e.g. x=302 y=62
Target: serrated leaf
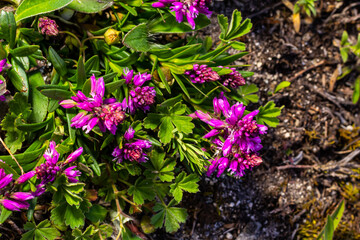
x=268 y=114
x=172 y=216
x=142 y=190
x=43 y=230
x=96 y=213
x=29 y=8
x=184 y=183
x=246 y=94
x=74 y=217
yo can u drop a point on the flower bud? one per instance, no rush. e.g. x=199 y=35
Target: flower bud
x=73 y=156
x=23 y=178
x=112 y=36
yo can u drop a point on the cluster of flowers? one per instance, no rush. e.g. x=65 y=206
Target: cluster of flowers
x=188 y=8
x=203 y=73
x=108 y=113
x=46 y=172
x=3 y=91
x=236 y=139
x=132 y=150
x=48 y=26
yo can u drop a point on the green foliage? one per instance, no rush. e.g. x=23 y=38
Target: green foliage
x=42 y=231
x=90 y=6
x=30 y=8
x=333 y=221
x=282 y=85
x=169 y=120
x=268 y=114
x=142 y=190
x=184 y=183
x=234 y=29
x=168 y=215
x=245 y=94
x=345 y=49
x=307 y=5
x=19 y=112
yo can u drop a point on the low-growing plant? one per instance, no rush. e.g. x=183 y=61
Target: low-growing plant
x=347 y=48
x=115 y=113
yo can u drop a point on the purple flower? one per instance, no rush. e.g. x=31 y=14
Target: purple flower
x=5 y=179
x=48 y=171
x=48 y=26
x=106 y=113
x=236 y=139
x=71 y=174
x=4 y=66
x=139 y=97
x=188 y=8
x=14 y=205
x=132 y=150
x=202 y=73
x=73 y=156
x=23 y=178
x=233 y=79
x=13 y=201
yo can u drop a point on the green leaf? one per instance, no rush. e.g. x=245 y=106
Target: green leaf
x=356 y=93
x=74 y=217
x=5 y=214
x=58 y=62
x=159 y=167
x=19 y=112
x=129 y=9
x=24 y=51
x=29 y=8
x=142 y=190
x=184 y=183
x=166 y=130
x=245 y=94
x=268 y=114
x=334 y=221
x=97 y=213
x=282 y=85
x=90 y=6
x=329 y=229
x=172 y=216
x=8 y=27
x=18 y=76
x=235 y=29
x=137 y=38
x=43 y=231
x=57 y=94
x=81 y=73
x=344 y=38
x=39 y=101
x=344 y=52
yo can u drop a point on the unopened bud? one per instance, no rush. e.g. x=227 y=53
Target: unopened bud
x=112 y=36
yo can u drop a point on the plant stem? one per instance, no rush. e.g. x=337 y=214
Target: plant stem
x=12 y=156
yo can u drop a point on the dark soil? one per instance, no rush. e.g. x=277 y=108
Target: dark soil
x=302 y=178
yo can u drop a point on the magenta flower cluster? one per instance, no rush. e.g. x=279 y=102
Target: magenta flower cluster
x=48 y=26
x=203 y=73
x=140 y=97
x=236 y=138
x=46 y=172
x=13 y=200
x=105 y=113
x=186 y=8
x=132 y=149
